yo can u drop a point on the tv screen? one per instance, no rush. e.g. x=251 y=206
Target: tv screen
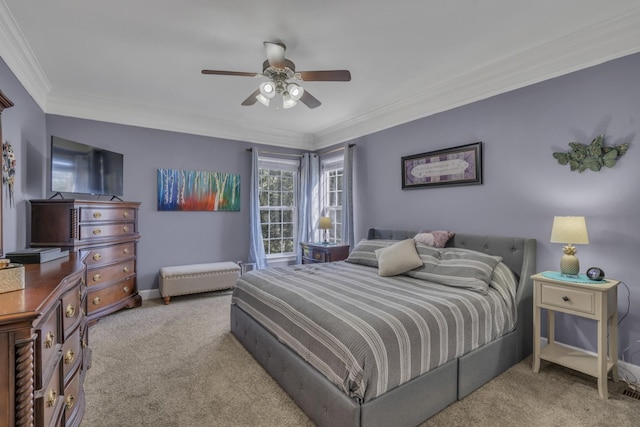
x=81 y=168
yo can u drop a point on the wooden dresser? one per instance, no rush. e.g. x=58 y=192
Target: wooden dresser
x=44 y=351
x=106 y=235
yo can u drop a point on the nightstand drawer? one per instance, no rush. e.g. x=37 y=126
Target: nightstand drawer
x=566 y=298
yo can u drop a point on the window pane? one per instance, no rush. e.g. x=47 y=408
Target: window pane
x=287 y=230
x=276 y=216
x=276 y=230
x=288 y=245
x=264 y=216
x=274 y=198
x=287 y=199
x=287 y=216
x=265 y=231
x=275 y=246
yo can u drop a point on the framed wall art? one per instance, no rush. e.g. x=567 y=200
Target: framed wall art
x=182 y=190
x=460 y=165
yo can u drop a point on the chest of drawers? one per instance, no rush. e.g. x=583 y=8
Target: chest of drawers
x=105 y=234
x=44 y=347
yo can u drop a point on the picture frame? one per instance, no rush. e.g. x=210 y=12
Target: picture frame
x=461 y=165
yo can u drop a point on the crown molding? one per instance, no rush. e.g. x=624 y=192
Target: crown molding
x=170 y=119
x=19 y=57
x=580 y=49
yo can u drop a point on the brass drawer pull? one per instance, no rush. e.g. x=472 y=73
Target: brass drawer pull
x=51 y=398
x=97 y=300
x=125 y=251
x=125 y=269
x=565 y=298
x=125 y=289
x=97 y=257
x=317 y=255
x=71 y=310
x=97 y=277
x=125 y=214
x=125 y=229
x=49 y=340
x=68 y=402
x=97 y=215
x=69 y=357
x=96 y=232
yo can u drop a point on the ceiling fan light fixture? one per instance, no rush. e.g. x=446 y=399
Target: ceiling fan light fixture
x=295 y=91
x=288 y=101
x=268 y=90
x=263 y=99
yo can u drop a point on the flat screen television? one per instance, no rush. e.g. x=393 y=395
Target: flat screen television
x=82 y=168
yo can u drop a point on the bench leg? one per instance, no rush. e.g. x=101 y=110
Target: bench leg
x=166 y=300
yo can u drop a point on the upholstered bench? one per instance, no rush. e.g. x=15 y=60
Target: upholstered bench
x=194 y=278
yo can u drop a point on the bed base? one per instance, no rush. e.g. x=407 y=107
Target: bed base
x=419 y=399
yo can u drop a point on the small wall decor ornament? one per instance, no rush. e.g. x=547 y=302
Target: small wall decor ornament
x=8 y=169
x=581 y=157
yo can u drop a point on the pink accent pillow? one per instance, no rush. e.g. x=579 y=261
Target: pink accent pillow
x=436 y=239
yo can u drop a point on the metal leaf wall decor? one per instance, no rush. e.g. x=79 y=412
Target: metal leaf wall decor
x=594 y=156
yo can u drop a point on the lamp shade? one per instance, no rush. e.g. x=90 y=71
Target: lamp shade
x=569 y=229
x=324 y=223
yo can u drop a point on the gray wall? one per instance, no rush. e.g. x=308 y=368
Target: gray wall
x=524 y=186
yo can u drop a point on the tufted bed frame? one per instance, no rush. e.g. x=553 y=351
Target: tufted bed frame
x=415 y=401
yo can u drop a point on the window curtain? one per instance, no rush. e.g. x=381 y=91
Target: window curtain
x=307 y=201
x=347 y=196
x=256 y=246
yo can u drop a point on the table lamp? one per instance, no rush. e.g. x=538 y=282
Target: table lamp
x=325 y=224
x=570 y=230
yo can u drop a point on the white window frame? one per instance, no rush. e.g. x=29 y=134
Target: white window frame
x=289 y=166
x=327 y=166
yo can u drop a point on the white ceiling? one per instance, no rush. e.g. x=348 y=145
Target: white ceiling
x=139 y=62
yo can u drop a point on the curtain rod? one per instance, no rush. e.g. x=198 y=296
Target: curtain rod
x=300 y=155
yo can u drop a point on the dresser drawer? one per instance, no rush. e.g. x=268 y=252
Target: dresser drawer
x=106 y=214
x=72 y=395
x=106 y=296
x=108 y=254
x=47 y=345
x=71 y=354
x=317 y=255
x=71 y=309
x=111 y=273
x=49 y=402
x=579 y=300
x=99 y=231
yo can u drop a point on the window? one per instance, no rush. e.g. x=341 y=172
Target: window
x=277 y=193
x=332 y=196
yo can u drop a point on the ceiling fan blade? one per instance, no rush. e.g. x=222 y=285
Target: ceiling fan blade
x=231 y=73
x=309 y=100
x=275 y=53
x=325 y=76
x=251 y=99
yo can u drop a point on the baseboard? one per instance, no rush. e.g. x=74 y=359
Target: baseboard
x=150 y=294
x=625 y=369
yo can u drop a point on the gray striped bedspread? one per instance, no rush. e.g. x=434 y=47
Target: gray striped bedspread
x=369 y=334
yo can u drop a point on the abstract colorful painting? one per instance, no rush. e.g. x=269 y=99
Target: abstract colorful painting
x=181 y=190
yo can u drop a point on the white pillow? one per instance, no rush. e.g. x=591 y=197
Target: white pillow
x=398 y=258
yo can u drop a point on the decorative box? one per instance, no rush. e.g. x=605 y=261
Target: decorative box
x=11 y=278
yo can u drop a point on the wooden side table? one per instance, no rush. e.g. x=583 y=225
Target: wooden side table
x=589 y=299
x=318 y=252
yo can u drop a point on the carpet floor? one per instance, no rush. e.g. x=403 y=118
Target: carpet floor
x=179 y=366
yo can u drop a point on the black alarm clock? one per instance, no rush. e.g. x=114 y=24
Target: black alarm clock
x=595 y=273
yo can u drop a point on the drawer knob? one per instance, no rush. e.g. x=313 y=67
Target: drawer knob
x=96 y=232
x=565 y=298
x=49 y=340
x=51 y=398
x=68 y=402
x=125 y=269
x=125 y=214
x=97 y=277
x=125 y=289
x=125 y=251
x=125 y=229
x=97 y=300
x=69 y=357
x=317 y=256
x=97 y=257
x=97 y=215
x=70 y=311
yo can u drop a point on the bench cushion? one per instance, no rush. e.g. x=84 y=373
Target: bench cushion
x=194 y=278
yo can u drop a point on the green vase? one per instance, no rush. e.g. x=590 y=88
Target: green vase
x=569 y=265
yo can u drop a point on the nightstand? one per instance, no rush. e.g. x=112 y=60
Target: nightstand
x=318 y=252
x=584 y=298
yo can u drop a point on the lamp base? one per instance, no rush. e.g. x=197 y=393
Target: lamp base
x=569 y=265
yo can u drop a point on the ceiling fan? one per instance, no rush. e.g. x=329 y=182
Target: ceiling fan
x=282 y=79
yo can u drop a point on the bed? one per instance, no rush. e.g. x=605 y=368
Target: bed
x=366 y=391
